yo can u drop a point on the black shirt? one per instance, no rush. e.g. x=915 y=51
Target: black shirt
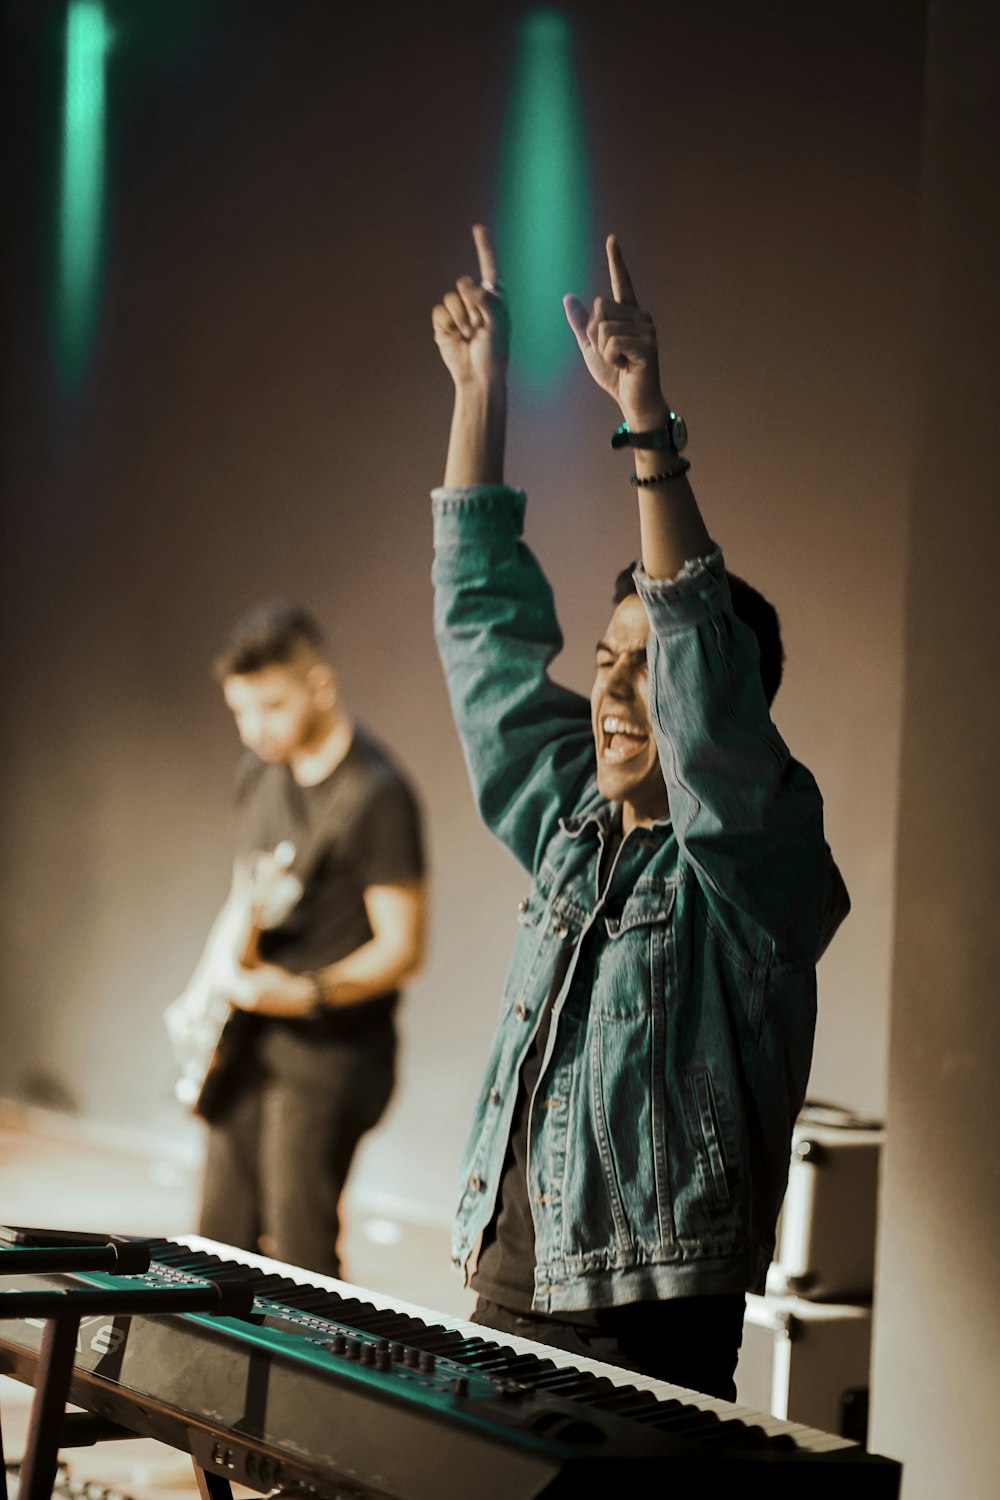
x=357 y=828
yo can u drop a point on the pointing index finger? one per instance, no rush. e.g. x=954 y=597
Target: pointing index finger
x=621 y=282
x=486 y=253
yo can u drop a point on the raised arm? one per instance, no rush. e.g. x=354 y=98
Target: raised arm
x=494 y=615
x=472 y=331
x=746 y=814
x=618 y=342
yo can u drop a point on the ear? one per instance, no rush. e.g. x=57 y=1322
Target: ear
x=322 y=680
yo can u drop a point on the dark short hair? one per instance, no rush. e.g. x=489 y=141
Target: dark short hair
x=753 y=609
x=267 y=636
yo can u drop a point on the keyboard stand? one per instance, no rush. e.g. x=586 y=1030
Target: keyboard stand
x=55 y=1367
x=211 y=1486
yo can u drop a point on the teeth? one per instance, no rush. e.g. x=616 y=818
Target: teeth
x=621 y=726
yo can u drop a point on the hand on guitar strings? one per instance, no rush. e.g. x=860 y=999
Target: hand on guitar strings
x=268 y=990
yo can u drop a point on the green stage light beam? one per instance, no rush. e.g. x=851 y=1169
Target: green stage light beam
x=81 y=197
x=543 y=216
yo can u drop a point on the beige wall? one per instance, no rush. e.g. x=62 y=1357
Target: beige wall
x=936 y=1366
x=265 y=413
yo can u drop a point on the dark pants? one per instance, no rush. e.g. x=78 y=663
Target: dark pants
x=688 y=1341
x=279 y=1156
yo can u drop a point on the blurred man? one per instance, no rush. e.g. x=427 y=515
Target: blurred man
x=324 y=922
x=630 y=1145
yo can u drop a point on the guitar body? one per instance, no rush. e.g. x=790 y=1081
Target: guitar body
x=220 y=1079
x=208 y=1033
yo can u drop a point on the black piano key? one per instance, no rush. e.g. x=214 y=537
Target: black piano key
x=733 y=1433
x=178 y=1257
x=470 y=1347
x=465 y=1353
x=491 y=1361
x=692 y=1422
x=524 y=1367
x=557 y=1383
x=626 y=1401
x=754 y=1436
x=381 y=1318
x=545 y=1374
x=439 y=1343
x=350 y=1309
x=310 y=1299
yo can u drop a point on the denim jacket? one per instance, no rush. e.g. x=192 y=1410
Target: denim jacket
x=684 y=993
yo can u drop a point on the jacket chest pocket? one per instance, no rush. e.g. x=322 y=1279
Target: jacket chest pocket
x=636 y=962
x=542 y=935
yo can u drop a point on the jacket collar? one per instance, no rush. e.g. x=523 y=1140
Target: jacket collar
x=602 y=817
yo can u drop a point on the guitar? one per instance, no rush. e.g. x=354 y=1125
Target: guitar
x=206 y=1030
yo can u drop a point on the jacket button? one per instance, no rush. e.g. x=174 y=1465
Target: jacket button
x=520 y=1011
x=560 y=930
x=476 y=1183
x=522 y=905
x=494 y=1096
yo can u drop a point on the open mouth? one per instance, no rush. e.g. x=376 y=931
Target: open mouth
x=622 y=739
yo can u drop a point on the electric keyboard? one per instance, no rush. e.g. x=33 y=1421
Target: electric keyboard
x=339 y=1393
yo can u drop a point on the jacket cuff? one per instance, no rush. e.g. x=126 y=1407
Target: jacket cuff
x=699 y=592
x=481 y=512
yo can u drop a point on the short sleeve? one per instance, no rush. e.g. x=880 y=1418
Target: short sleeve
x=386 y=840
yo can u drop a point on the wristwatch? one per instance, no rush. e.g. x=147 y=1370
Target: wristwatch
x=671 y=437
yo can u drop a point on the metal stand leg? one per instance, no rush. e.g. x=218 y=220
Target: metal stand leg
x=55 y=1367
x=211 y=1486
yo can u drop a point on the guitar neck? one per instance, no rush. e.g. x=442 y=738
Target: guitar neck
x=250 y=954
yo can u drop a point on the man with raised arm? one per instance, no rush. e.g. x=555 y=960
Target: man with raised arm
x=630 y=1144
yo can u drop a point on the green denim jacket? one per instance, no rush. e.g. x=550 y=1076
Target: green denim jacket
x=683 y=994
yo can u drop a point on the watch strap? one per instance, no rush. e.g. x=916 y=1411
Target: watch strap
x=657 y=438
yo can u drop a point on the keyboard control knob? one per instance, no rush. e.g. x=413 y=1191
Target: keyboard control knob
x=428 y=1363
x=411 y=1358
x=460 y=1386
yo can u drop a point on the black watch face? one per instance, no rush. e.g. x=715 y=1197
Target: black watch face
x=678 y=432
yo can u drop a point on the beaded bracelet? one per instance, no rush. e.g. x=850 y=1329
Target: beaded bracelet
x=320 y=1005
x=682 y=468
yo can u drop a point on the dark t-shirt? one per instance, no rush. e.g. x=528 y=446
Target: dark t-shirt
x=358 y=828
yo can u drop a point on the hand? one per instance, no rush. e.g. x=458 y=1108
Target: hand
x=471 y=324
x=618 y=343
x=268 y=990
